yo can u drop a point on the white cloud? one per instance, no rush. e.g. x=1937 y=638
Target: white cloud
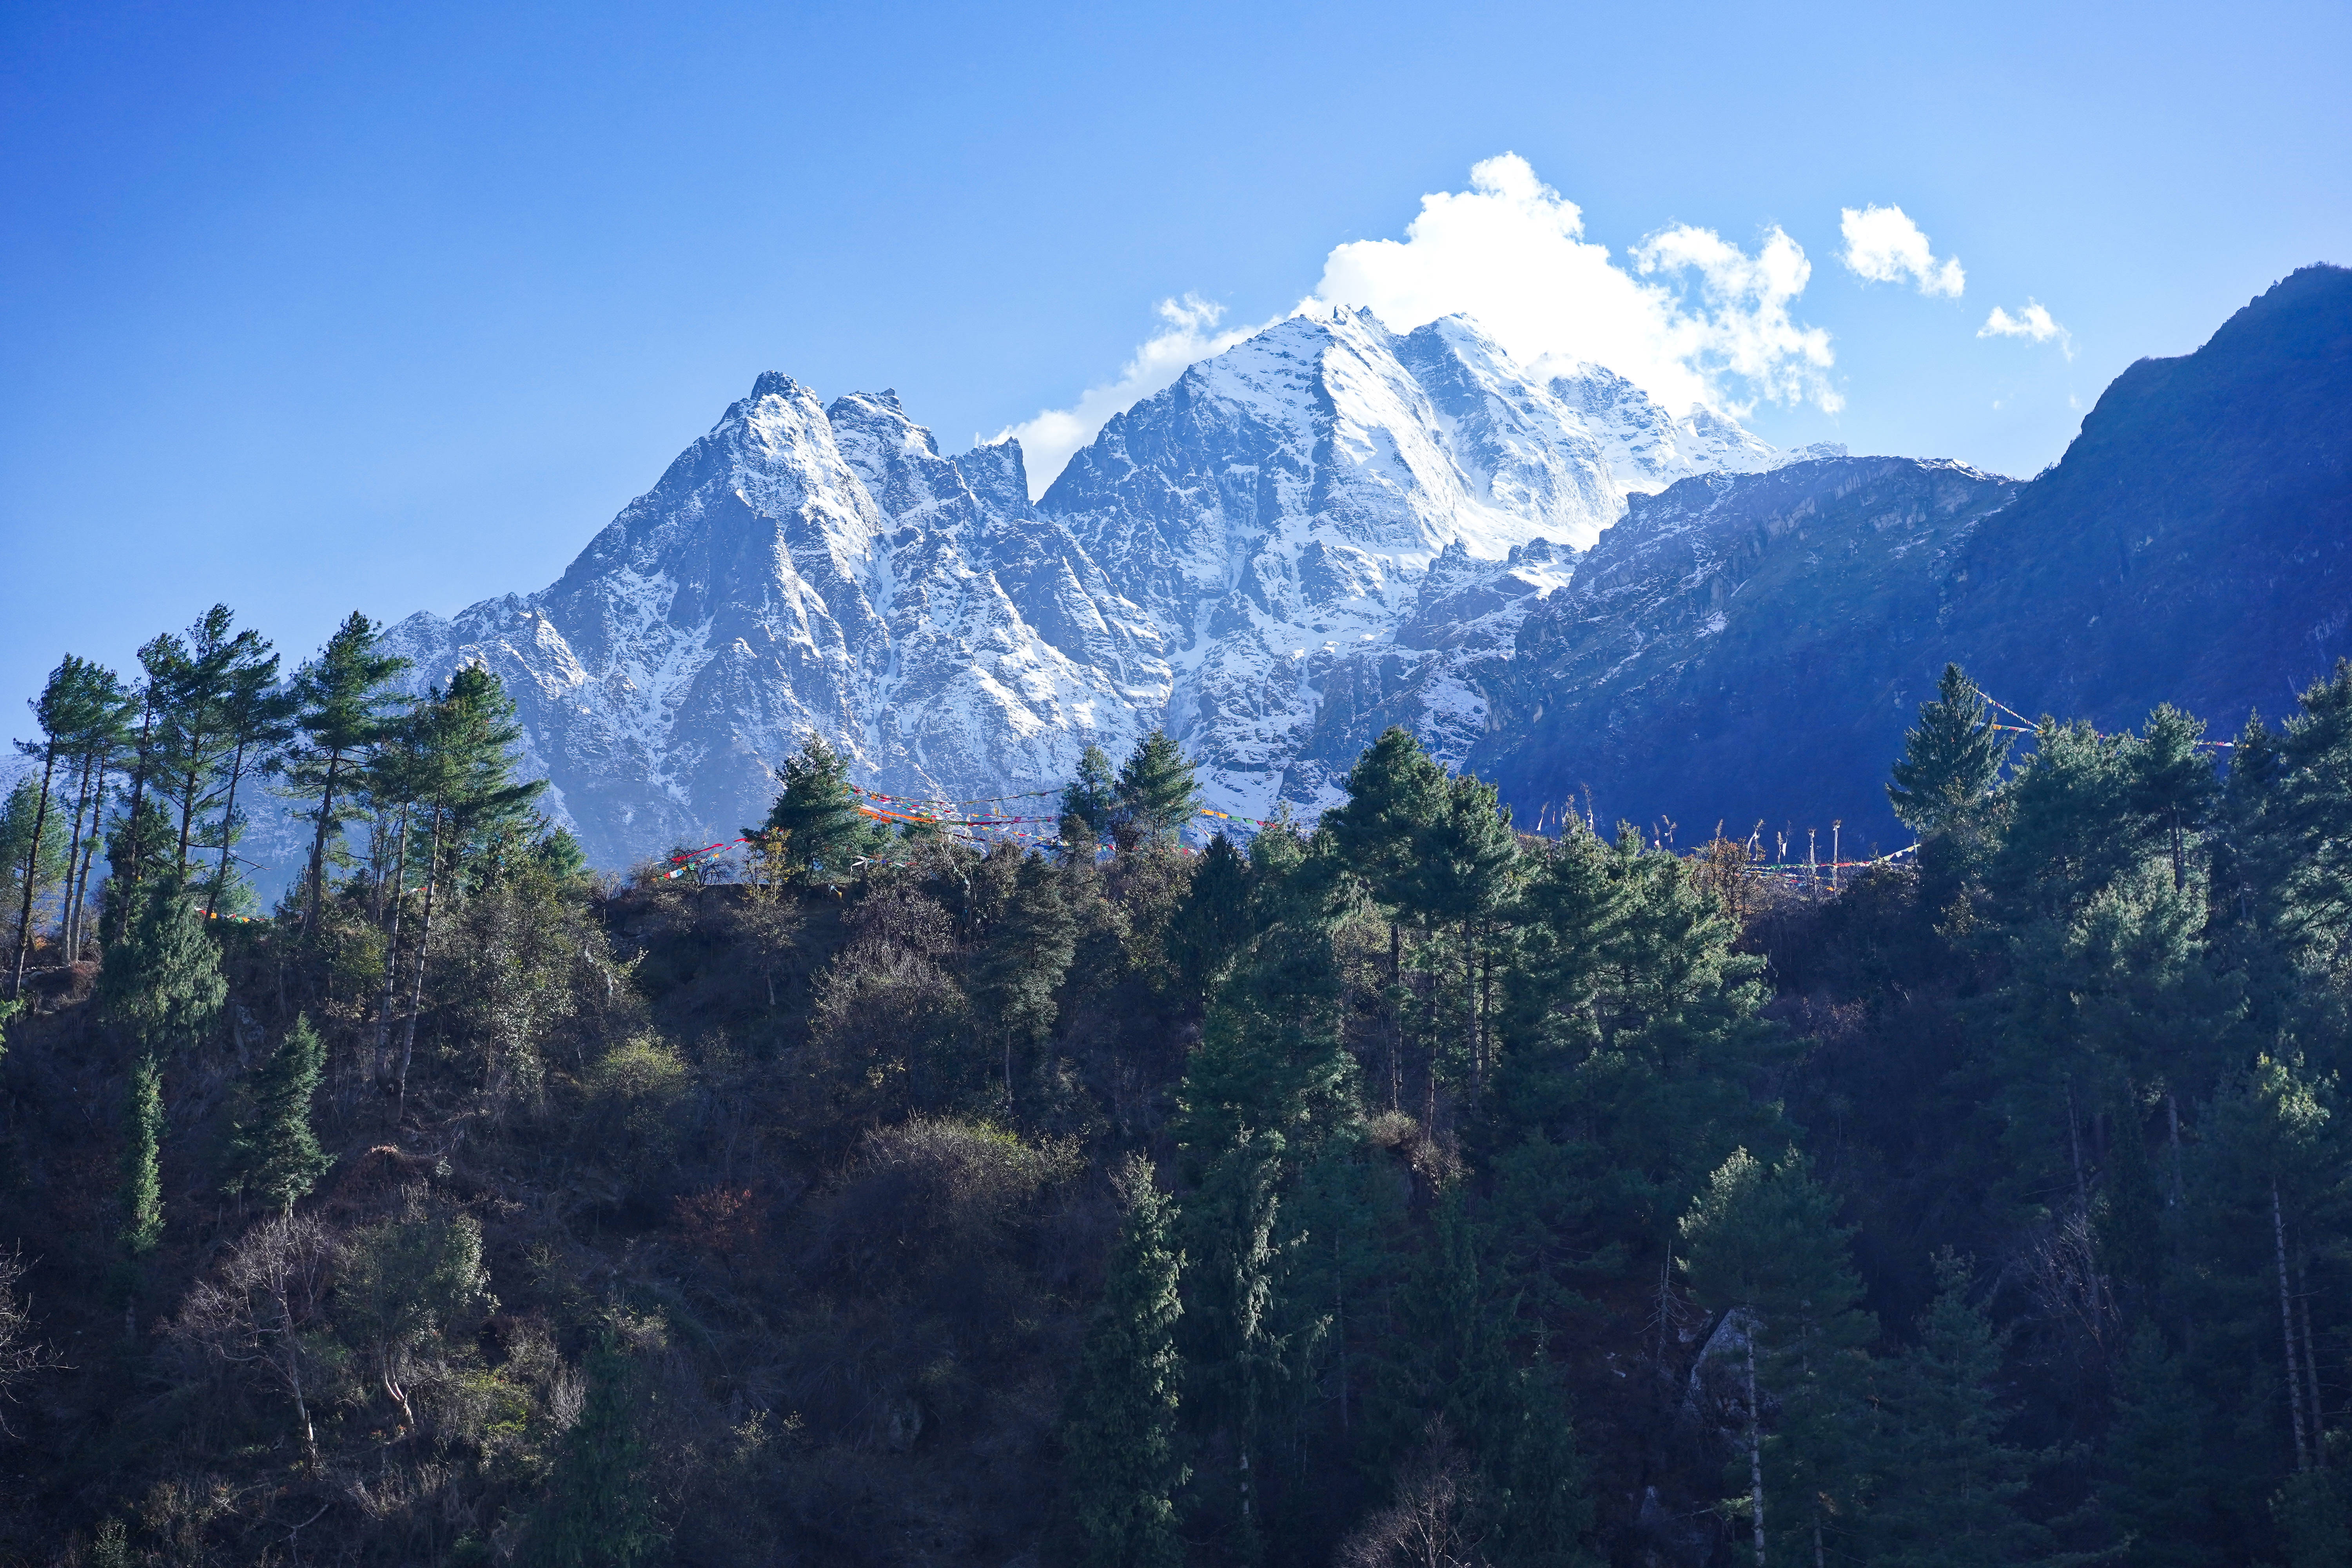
x=2035 y=321
x=1883 y=245
x=1510 y=251
x=1048 y=440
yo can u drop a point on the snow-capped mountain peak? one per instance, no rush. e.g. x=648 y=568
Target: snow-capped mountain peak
x=1328 y=527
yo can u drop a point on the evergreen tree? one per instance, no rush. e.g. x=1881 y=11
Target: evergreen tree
x=1092 y=797
x=1157 y=793
x=1950 y=759
x=32 y=856
x=344 y=710
x=1764 y=1242
x=142 y=1171
x=198 y=686
x=2155 y=1485
x=825 y=830
x=1450 y=1361
x=75 y=704
x=255 y=719
x=456 y=761
x=1462 y=871
x=1396 y=795
x=1212 y=926
x=93 y=751
x=1235 y=1356
x=161 y=982
x=276 y=1154
x=1948 y=1486
x=2172 y=782
x=1120 y=1434
x=1026 y=954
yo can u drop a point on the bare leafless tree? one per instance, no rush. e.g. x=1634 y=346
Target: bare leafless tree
x=1428 y=1525
x=260 y=1309
x=22 y=1356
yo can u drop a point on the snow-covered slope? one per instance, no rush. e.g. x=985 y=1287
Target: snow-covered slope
x=1327 y=529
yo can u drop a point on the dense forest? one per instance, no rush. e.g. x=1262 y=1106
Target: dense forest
x=1397 y=1189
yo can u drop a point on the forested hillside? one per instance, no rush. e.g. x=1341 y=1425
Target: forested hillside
x=1406 y=1190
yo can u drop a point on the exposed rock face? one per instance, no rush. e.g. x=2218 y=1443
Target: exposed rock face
x=1333 y=527
x=1327 y=529
x=1754 y=647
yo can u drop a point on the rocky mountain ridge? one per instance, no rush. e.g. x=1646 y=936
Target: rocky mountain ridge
x=1327 y=527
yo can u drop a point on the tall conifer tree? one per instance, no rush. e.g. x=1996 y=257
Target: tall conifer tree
x=344 y=700
x=1950 y=759
x=276 y=1155
x=1120 y=1434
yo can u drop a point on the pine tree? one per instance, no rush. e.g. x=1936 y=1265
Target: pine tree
x=1450 y=1362
x=142 y=1172
x=1462 y=867
x=161 y=982
x=344 y=710
x=1157 y=793
x=1235 y=1356
x=75 y=704
x=195 y=685
x=455 y=761
x=2172 y=782
x=1764 y=1241
x=1092 y=797
x=2155 y=1492
x=276 y=1154
x=1212 y=926
x=1119 y=1437
x=825 y=831
x=255 y=719
x=32 y=855
x=1950 y=759
x=1948 y=1486
x=1027 y=952
x=1396 y=794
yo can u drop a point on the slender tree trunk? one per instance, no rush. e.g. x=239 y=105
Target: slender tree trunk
x=2286 y=1322
x=2172 y=1114
x=88 y=858
x=2075 y=1144
x=1396 y=1020
x=392 y=940
x=1470 y=1021
x=188 y=810
x=1755 y=1450
x=293 y=1353
x=2311 y=1368
x=424 y=945
x=228 y=830
x=139 y=767
x=73 y=859
x=32 y=872
x=319 y=847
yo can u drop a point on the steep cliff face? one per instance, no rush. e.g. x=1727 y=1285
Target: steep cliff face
x=761 y=591
x=1740 y=648
x=2194 y=544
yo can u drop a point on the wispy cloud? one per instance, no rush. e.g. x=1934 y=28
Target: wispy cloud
x=1511 y=252
x=1884 y=246
x=1189 y=335
x=1692 y=318
x=2034 y=322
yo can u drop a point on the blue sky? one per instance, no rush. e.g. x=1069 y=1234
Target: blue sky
x=391 y=307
